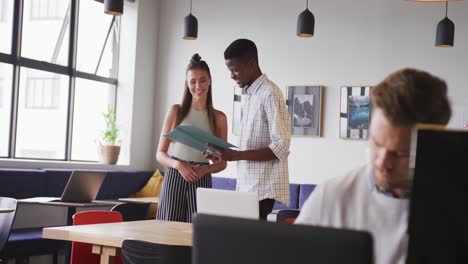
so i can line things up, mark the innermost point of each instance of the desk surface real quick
(48, 201)
(6, 210)
(154, 200)
(113, 234)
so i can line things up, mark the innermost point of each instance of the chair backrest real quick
(6, 219)
(141, 252)
(82, 252)
(133, 211)
(287, 216)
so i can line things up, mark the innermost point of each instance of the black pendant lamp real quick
(113, 7)
(305, 23)
(445, 31)
(190, 26)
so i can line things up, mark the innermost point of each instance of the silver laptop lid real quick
(83, 186)
(227, 203)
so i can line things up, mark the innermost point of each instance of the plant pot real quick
(108, 154)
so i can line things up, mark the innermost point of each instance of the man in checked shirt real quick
(262, 158)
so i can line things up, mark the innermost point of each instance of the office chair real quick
(287, 216)
(141, 252)
(133, 211)
(6, 221)
(81, 253)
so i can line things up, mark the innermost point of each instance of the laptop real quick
(82, 186)
(438, 219)
(227, 203)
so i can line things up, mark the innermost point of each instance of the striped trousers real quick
(178, 198)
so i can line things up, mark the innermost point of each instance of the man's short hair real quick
(411, 96)
(243, 49)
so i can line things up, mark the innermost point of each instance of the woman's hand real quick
(200, 170)
(187, 171)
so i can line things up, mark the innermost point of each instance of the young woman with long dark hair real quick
(186, 168)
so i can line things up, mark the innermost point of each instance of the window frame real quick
(18, 62)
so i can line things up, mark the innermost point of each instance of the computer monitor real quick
(226, 240)
(438, 219)
(227, 203)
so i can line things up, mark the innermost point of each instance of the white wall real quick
(355, 43)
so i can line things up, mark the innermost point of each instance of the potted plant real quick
(109, 145)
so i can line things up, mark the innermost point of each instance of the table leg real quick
(70, 212)
(107, 253)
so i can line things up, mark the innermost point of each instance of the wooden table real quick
(107, 238)
(153, 200)
(71, 210)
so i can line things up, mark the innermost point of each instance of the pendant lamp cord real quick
(446, 8)
(190, 6)
(307, 4)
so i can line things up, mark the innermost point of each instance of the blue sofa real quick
(28, 183)
(298, 192)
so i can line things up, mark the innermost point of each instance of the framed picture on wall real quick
(236, 111)
(355, 112)
(305, 109)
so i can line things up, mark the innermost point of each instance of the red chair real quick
(81, 253)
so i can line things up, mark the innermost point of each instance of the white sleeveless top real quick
(182, 152)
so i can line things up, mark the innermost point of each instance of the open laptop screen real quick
(83, 186)
(227, 203)
(438, 221)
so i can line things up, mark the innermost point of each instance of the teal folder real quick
(197, 138)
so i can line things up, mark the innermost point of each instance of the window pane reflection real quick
(91, 101)
(93, 27)
(42, 115)
(6, 72)
(46, 27)
(6, 22)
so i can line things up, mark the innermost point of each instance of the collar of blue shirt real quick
(374, 187)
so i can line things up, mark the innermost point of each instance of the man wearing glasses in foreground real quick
(375, 197)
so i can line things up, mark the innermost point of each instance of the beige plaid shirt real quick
(265, 123)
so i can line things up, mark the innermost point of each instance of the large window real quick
(50, 105)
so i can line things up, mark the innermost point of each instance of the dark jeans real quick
(265, 206)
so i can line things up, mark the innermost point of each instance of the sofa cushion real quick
(22, 183)
(304, 192)
(152, 188)
(224, 183)
(293, 198)
(29, 242)
(56, 181)
(120, 184)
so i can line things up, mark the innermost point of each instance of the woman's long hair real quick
(196, 63)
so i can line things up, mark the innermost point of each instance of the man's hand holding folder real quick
(201, 140)
(220, 154)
